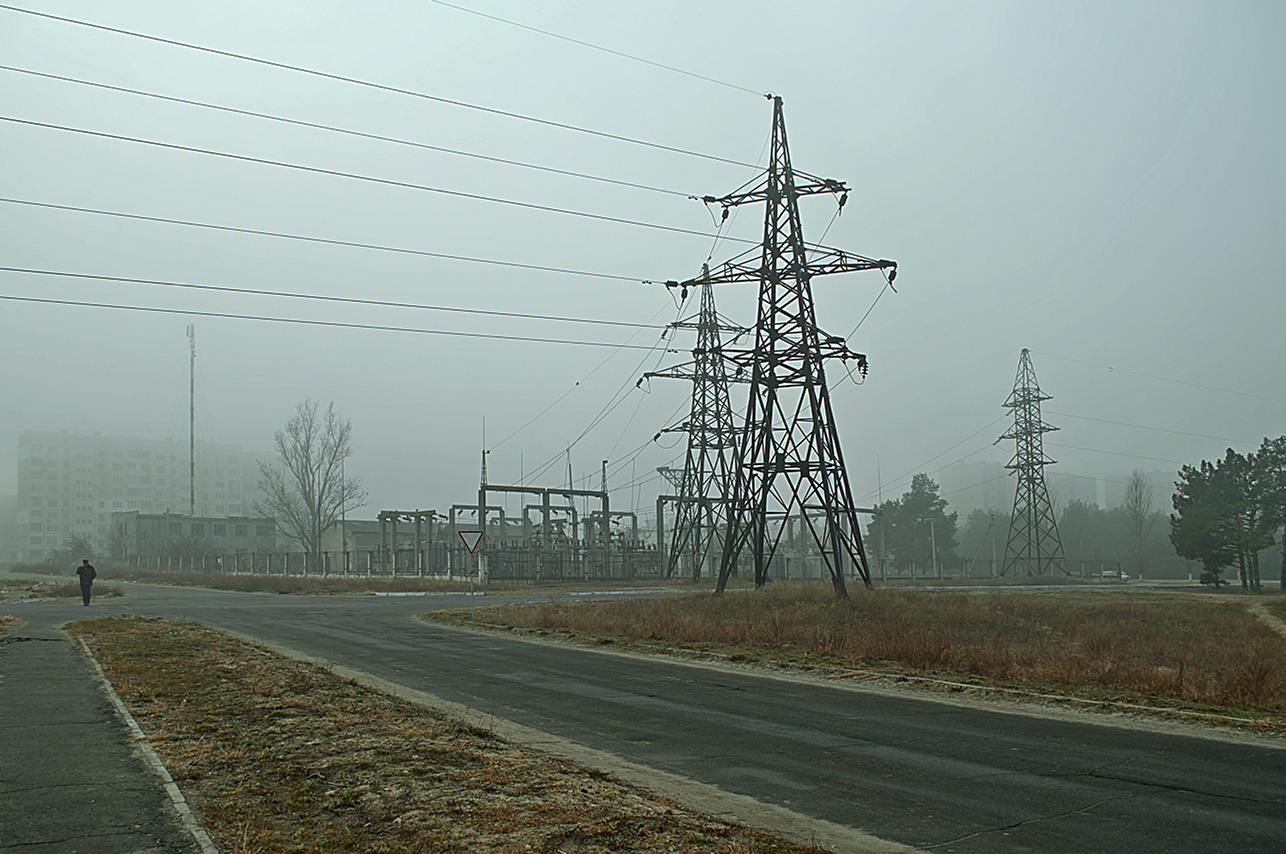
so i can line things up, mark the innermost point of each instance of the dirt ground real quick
(278, 755)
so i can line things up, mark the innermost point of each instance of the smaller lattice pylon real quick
(1033, 547)
(703, 484)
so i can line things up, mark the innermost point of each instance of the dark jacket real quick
(87, 573)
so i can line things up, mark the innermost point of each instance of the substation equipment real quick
(559, 543)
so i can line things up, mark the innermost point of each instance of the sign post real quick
(471, 540)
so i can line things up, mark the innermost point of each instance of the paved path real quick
(938, 776)
(70, 780)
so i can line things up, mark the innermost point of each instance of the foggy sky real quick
(1099, 182)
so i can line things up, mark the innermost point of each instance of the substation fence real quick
(889, 569)
(438, 561)
(895, 570)
(569, 563)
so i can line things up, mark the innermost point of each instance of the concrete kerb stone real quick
(180, 804)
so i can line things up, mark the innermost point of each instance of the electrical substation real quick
(764, 492)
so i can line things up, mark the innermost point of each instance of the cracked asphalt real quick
(938, 776)
(70, 779)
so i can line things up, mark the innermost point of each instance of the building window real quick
(240, 530)
(220, 530)
(198, 529)
(261, 530)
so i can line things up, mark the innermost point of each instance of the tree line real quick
(917, 527)
(1229, 511)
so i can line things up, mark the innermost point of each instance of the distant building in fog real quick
(153, 534)
(988, 486)
(8, 529)
(69, 484)
(975, 486)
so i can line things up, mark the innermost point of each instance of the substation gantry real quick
(788, 456)
(1033, 547)
(424, 520)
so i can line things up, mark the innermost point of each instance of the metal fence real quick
(569, 562)
(564, 563)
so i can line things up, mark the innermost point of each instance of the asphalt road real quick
(933, 775)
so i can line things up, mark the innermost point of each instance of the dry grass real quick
(315, 584)
(1276, 604)
(278, 755)
(13, 588)
(1196, 651)
(7, 623)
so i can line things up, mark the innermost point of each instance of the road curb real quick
(180, 804)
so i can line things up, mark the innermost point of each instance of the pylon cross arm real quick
(804, 185)
(822, 261)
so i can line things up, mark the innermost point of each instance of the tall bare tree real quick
(1139, 516)
(305, 487)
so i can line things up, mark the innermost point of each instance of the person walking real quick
(87, 575)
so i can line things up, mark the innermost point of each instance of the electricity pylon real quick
(1033, 546)
(706, 478)
(788, 452)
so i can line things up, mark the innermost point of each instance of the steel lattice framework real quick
(1034, 547)
(788, 454)
(706, 479)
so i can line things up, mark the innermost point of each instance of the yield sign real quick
(471, 539)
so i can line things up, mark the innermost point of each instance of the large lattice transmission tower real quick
(788, 455)
(706, 479)
(1034, 547)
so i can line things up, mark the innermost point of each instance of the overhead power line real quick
(1162, 487)
(370, 85)
(1116, 453)
(346, 131)
(324, 298)
(574, 386)
(921, 467)
(1165, 379)
(329, 323)
(357, 177)
(597, 47)
(1145, 427)
(324, 240)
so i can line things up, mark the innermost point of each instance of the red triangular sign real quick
(471, 539)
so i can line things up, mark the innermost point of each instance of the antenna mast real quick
(192, 422)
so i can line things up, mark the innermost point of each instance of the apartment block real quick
(70, 483)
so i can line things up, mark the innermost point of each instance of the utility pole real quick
(706, 480)
(192, 422)
(1034, 546)
(788, 454)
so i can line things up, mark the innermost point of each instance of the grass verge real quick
(1276, 605)
(278, 755)
(11, 589)
(1200, 653)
